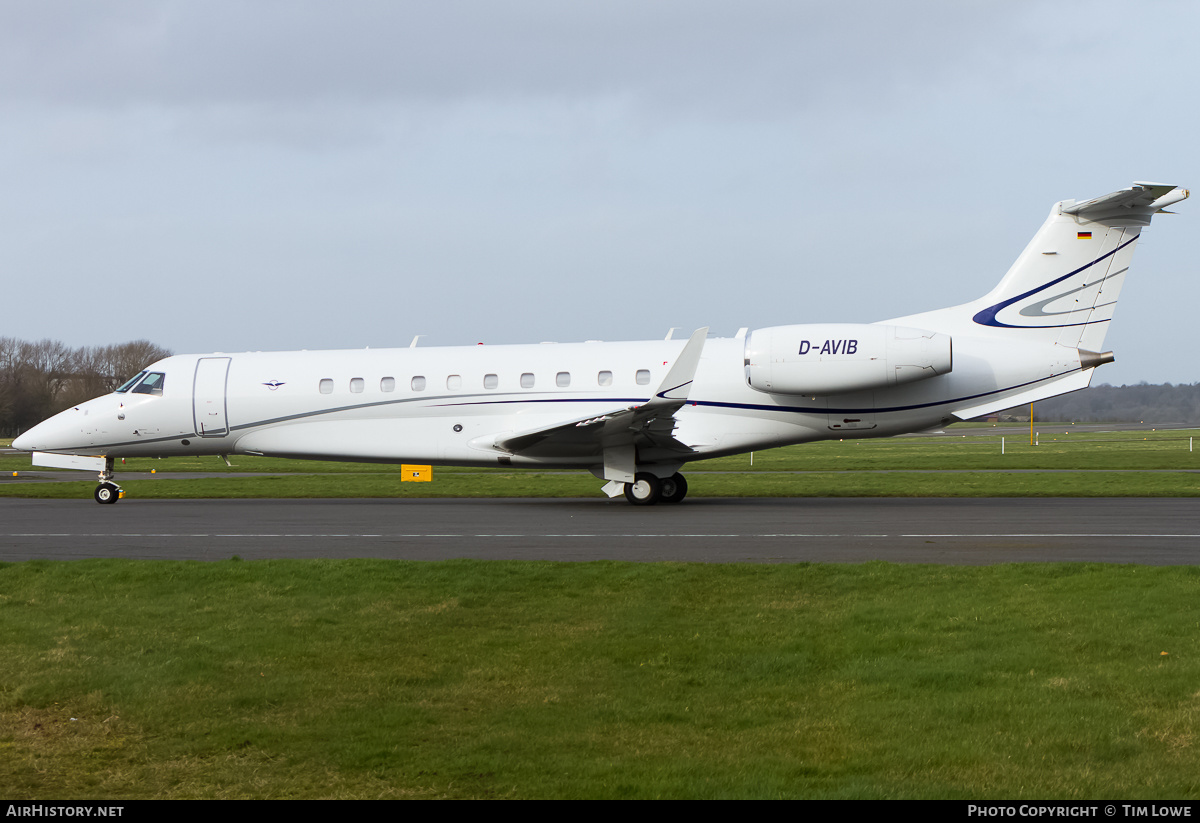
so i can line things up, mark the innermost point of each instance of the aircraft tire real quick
(645, 490)
(107, 493)
(674, 488)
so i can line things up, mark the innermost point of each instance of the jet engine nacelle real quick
(836, 358)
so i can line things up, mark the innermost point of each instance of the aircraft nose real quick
(34, 439)
(55, 433)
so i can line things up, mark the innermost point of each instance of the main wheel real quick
(107, 493)
(674, 488)
(645, 490)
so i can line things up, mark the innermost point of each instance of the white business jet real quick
(634, 413)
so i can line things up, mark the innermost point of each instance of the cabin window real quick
(387, 384)
(643, 377)
(527, 380)
(604, 378)
(357, 385)
(490, 381)
(418, 383)
(326, 386)
(128, 384)
(152, 383)
(562, 379)
(454, 382)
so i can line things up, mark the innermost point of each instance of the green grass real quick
(363, 678)
(1144, 463)
(355, 678)
(507, 484)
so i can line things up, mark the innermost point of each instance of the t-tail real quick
(1053, 307)
(1064, 286)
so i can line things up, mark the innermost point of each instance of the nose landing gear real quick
(108, 491)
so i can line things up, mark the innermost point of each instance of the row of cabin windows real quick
(454, 382)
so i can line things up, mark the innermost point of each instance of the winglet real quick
(678, 382)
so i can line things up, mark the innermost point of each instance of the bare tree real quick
(119, 363)
(42, 378)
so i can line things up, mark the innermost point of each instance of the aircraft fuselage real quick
(634, 413)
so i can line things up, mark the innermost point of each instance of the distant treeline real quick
(1165, 403)
(40, 379)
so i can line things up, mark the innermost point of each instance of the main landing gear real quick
(646, 489)
(108, 491)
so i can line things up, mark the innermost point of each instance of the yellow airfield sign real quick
(416, 474)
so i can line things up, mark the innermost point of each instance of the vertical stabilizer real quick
(1064, 286)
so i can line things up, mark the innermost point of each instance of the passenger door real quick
(208, 396)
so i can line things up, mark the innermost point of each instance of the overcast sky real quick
(282, 175)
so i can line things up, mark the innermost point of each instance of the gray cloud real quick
(303, 174)
(695, 55)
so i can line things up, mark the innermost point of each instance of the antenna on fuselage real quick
(671, 331)
(413, 344)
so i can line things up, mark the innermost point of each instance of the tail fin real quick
(1064, 286)
(1046, 320)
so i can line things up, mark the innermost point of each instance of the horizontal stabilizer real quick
(1141, 199)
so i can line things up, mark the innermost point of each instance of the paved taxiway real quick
(767, 530)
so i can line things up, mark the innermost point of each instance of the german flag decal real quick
(1084, 235)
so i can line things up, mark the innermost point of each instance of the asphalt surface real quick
(1153, 531)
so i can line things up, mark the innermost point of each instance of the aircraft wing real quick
(628, 426)
(613, 435)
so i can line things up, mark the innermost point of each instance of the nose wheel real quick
(108, 493)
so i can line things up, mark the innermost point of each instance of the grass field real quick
(502, 679)
(1144, 463)
(517, 679)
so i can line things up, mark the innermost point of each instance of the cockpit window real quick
(151, 384)
(130, 382)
